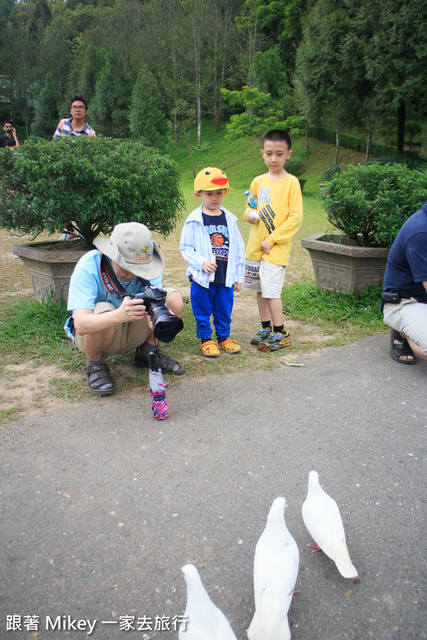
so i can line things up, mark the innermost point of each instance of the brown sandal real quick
(99, 380)
(167, 365)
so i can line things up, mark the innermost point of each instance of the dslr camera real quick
(166, 324)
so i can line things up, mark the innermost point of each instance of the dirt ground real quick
(25, 386)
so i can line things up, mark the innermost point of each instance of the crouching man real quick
(107, 319)
(404, 297)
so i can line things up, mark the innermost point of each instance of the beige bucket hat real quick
(132, 247)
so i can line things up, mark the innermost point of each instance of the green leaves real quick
(92, 183)
(369, 203)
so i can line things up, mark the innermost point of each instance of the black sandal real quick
(98, 375)
(399, 350)
(167, 365)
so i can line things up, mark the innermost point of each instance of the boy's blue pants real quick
(217, 301)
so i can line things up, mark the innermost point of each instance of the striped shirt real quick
(64, 129)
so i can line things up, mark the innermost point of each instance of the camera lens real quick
(166, 325)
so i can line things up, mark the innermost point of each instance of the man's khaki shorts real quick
(264, 277)
(127, 336)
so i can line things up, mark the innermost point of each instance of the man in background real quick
(9, 139)
(76, 125)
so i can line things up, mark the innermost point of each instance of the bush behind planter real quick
(92, 183)
(369, 203)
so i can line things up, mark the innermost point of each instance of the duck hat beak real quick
(210, 179)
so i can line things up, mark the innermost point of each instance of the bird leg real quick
(315, 547)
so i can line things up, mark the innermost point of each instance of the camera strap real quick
(111, 282)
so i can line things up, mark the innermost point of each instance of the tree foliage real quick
(339, 63)
(46, 118)
(370, 202)
(360, 60)
(94, 183)
(147, 118)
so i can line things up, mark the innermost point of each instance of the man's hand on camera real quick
(133, 309)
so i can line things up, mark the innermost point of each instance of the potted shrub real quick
(89, 184)
(368, 204)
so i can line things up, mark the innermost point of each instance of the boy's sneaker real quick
(275, 341)
(261, 335)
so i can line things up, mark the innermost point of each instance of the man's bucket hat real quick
(132, 247)
(211, 179)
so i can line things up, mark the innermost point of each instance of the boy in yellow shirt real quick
(276, 219)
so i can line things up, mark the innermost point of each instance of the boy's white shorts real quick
(265, 277)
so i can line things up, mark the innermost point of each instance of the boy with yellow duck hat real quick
(214, 250)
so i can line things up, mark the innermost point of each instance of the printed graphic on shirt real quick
(267, 215)
(217, 229)
(263, 195)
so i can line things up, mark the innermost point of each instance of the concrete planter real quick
(344, 267)
(49, 266)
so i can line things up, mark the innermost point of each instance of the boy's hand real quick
(209, 267)
(265, 247)
(251, 220)
(237, 286)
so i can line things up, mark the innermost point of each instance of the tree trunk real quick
(368, 144)
(401, 116)
(175, 127)
(337, 146)
(306, 136)
(198, 84)
(191, 160)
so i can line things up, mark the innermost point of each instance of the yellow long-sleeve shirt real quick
(280, 216)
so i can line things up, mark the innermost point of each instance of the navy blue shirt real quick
(5, 139)
(217, 228)
(407, 261)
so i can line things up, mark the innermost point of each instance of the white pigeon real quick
(204, 621)
(275, 574)
(323, 520)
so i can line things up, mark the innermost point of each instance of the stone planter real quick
(50, 265)
(344, 267)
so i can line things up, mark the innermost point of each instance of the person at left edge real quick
(76, 125)
(102, 324)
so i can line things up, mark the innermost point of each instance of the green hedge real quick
(369, 203)
(93, 183)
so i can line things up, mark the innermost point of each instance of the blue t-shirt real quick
(217, 228)
(87, 288)
(407, 261)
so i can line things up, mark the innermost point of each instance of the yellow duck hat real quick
(211, 178)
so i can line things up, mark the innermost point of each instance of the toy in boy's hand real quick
(252, 202)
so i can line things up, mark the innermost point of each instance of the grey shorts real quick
(410, 318)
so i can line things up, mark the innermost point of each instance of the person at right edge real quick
(280, 211)
(404, 296)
